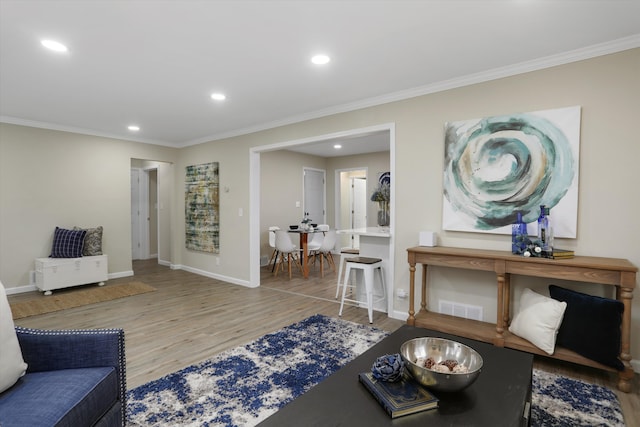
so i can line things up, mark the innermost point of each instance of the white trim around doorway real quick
(254, 196)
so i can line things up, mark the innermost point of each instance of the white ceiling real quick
(155, 63)
(366, 142)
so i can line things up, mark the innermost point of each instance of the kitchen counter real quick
(368, 231)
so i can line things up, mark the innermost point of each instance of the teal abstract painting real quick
(498, 166)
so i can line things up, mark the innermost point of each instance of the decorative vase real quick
(519, 235)
(383, 214)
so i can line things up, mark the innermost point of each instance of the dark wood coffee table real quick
(500, 396)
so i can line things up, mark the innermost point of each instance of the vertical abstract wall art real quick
(497, 166)
(202, 208)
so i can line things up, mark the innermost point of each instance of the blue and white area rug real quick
(561, 401)
(244, 385)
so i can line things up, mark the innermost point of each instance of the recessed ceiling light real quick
(134, 128)
(218, 96)
(54, 45)
(320, 59)
(337, 146)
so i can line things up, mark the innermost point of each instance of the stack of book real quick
(558, 253)
(399, 398)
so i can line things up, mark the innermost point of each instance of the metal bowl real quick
(441, 349)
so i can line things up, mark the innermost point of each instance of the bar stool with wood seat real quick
(344, 254)
(367, 265)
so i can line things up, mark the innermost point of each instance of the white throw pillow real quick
(538, 320)
(12, 366)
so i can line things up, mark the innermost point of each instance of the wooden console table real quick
(606, 271)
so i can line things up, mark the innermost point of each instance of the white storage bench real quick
(59, 273)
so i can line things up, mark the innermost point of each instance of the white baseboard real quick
(120, 274)
(32, 288)
(163, 262)
(21, 289)
(211, 275)
(400, 315)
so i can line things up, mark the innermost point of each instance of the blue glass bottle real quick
(519, 235)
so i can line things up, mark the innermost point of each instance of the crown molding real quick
(71, 129)
(602, 49)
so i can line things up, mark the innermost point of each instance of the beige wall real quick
(231, 263)
(36, 171)
(52, 178)
(607, 88)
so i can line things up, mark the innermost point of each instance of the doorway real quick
(255, 226)
(144, 218)
(151, 184)
(351, 200)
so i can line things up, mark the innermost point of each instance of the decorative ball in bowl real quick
(293, 227)
(441, 364)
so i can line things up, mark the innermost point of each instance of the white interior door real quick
(139, 214)
(135, 213)
(152, 206)
(358, 206)
(314, 195)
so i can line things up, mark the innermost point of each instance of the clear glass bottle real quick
(544, 229)
(549, 242)
(519, 235)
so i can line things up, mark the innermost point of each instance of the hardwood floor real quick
(189, 318)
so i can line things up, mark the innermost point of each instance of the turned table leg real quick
(507, 301)
(625, 295)
(423, 301)
(499, 339)
(412, 279)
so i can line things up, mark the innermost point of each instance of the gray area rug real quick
(244, 385)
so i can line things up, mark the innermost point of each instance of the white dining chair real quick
(325, 251)
(316, 239)
(288, 252)
(272, 243)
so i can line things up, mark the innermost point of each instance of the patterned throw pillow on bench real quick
(92, 241)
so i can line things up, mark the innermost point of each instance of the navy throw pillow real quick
(67, 243)
(591, 326)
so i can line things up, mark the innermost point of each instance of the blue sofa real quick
(74, 378)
